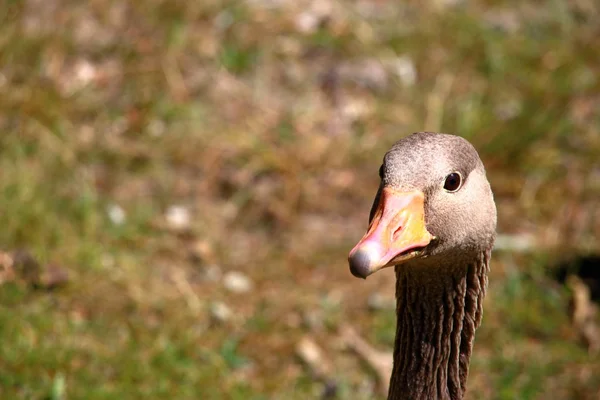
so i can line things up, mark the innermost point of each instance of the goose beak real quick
(397, 233)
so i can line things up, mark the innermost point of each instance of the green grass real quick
(271, 137)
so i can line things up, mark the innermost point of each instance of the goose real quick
(434, 220)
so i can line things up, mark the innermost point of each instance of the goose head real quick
(434, 203)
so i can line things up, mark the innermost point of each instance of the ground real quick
(184, 181)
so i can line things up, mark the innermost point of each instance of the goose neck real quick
(438, 309)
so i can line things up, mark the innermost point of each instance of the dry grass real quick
(267, 120)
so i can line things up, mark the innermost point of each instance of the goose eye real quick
(453, 181)
(381, 172)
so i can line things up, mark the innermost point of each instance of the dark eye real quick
(381, 172)
(453, 181)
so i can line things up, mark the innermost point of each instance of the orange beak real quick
(396, 234)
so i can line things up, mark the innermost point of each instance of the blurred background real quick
(181, 182)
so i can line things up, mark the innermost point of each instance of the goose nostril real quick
(396, 233)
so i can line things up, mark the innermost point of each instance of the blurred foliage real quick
(267, 120)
